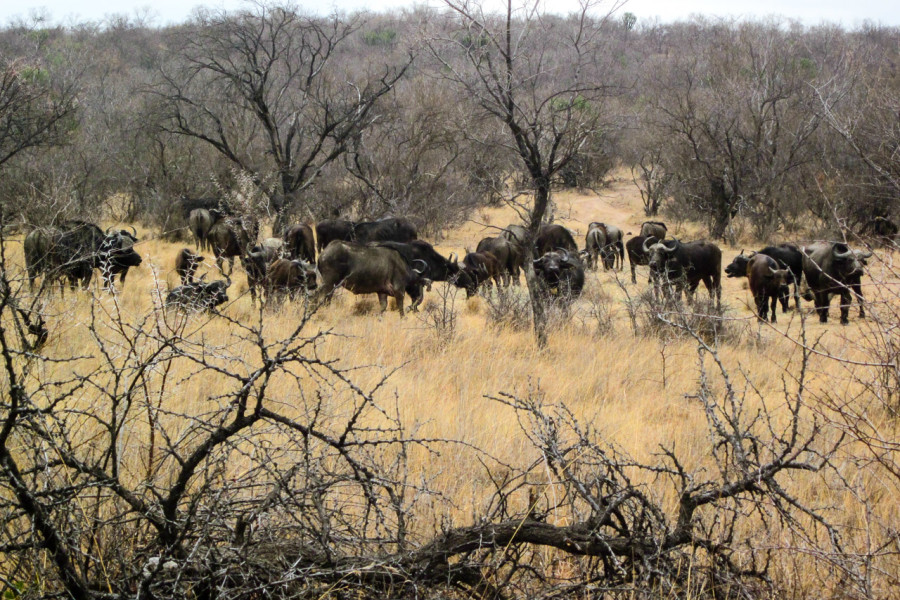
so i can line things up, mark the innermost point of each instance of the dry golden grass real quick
(633, 388)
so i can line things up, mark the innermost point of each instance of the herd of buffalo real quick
(385, 257)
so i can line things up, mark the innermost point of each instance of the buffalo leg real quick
(822, 301)
(775, 298)
(846, 300)
(399, 299)
(784, 296)
(633, 277)
(382, 300)
(856, 288)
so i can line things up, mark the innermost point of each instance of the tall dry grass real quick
(633, 386)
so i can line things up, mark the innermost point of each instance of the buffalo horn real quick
(841, 255)
(645, 247)
(418, 271)
(133, 230)
(452, 258)
(863, 254)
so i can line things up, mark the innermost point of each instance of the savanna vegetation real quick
(499, 446)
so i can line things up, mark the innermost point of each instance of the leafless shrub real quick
(596, 311)
(508, 307)
(441, 316)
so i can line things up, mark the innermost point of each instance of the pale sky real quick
(810, 12)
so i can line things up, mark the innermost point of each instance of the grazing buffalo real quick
(211, 204)
(367, 270)
(117, 255)
(594, 243)
(562, 274)
(509, 254)
(37, 253)
(199, 295)
(481, 268)
(289, 278)
(256, 264)
(637, 256)
(767, 282)
(655, 229)
(186, 263)
(391, 229)
(607, 242)
(551, 238)
(330, 230)
(200, 221)
(434, 267)
(834, 268)
(684, 266)
(229, 238)
(75, 252)
(300, 243)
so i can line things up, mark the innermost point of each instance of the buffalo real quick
(562, 274)
(367, 270)
(209, 203)
(300, 243)
(606, 241)
(767, 282)
(199, 295)
(289, 278)
(256, 264)
(637, 256)
(117, 255)
(330, 230)
(510, 256)
(685, 265)
(834, 268)
(786, 255)
(200, 221)
(229, 238)
(551, 238)
(594, 243)
(186, 263)
(655, 229)
(391, 229)
(433, 266)
(481, 268)
(37, 253)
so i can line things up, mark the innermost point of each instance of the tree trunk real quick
(535, 288)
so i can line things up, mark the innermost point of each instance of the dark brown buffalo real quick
(186, 263)
(229, 238)
(300, 243)
(335, 229)
(767, 282)
(508, 254)
(655, 229)
(554, 237)
(366, 270)
(607, 243)
(637, 256)
(562, 274)
(256, 265)
(835, 268)
(289, 278)
(681, 267)
(481, 268)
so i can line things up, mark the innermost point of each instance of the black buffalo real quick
(684, 266)
(562, 274)
(199, 295)
(363, 269)
(834, 268)
(637, 256)
(117, 255)
(329, 230)
(551, 238)
(300, 243)
(256, 265)
(655, 229)
(767, 282)
(481, 268)
(186, 263)
(421, 255)
(391, 229)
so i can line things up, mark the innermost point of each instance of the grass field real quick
(634, 388)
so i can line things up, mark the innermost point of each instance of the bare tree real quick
(542, 88)
(265, 90)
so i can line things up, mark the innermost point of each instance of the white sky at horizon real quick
(164, 12)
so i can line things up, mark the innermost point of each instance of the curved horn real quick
(863, 254)
(422, 270)
(772, 271)
(645, 247)
(453, 257)
(671, 248)
(133, 230)
(108, 229)
(839, 255)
